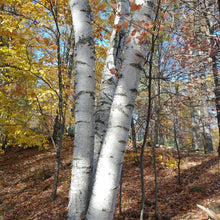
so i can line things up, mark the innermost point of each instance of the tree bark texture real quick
(206, 131)
(84, 109)
(134, 142)
(103, 198)
(60, 114)
(194, 130)
(109, 80)
(213, 54)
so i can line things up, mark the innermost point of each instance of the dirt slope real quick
(27, 178)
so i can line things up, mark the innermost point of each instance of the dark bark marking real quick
(147, 15)
(130, 105)
(87, 122)
(140, 55)
(84, 92)
(115, 188)
(126, 129)
(100, 122)
(150, 4)
(81, 62)
(133, 90)
(109, 81)
(73, 4)
(121, 94)
(84, 40)
(136, 65)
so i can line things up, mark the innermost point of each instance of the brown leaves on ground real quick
(27, 178)
(26, 184)
(200, 177)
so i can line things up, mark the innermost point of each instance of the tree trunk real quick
(134, 142)
(213, 53)
(157, 109)
(216, 75)
(103, 198)
(176, 124)
(208, 146)
(55, 128)
(109, 80)
(195, 135)
(60, 120)
(205, 125)
(84, 109)
(176, 133)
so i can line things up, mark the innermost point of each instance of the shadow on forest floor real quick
(27, 177)
(200, 184)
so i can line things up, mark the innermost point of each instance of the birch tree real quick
(109, 76)
(110, 161)
(84, 109)
(106, 181)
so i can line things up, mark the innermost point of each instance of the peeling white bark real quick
(109, 81)
(84, 109)
(102, 202)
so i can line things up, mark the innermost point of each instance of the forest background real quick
(178, 97)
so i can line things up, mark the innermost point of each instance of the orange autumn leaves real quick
(143, 28)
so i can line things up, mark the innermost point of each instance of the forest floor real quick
(27, 178)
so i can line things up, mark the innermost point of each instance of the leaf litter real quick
(27, 179)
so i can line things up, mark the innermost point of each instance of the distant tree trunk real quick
(176, 134)
(156, 139)
(177, 147)
(112, 153)
(155, 181)
(219, 6)
(146, 133)
(208, 145)
(53, 142)
(157, 132)
(84, 110)
(69, 58)
(195, 135)
(157, 123)
(69, 62)
(58, 157)
(4, 142)
(133, 136)
(216, 74)
(213, 53)
(55, 128)
(205, 126)
(61, 122)
(166, 136)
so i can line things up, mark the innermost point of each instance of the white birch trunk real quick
(103, 198)
(84, 109)
(109, 81)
